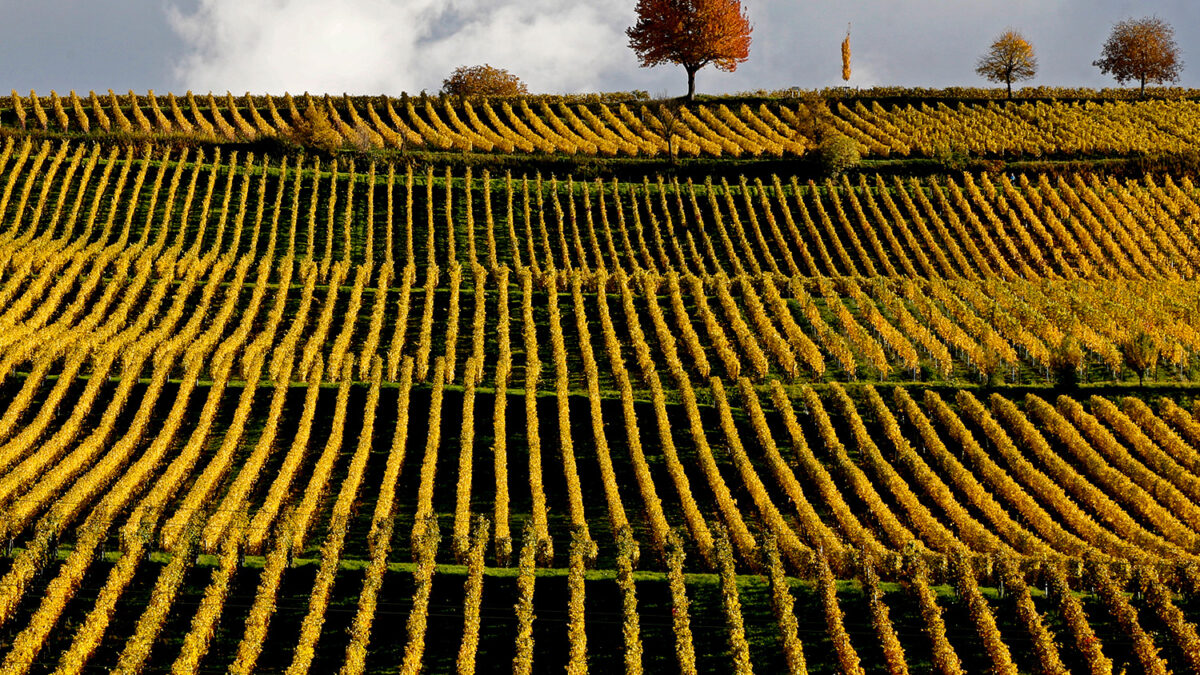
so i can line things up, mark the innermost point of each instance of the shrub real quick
(838, 154)
(483, 81)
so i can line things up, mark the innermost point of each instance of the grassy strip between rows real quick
(692, 578)
(1100, 388)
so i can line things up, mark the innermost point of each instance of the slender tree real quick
(691, 33)
(1010, 58)
(846, 56)
(1141, 50)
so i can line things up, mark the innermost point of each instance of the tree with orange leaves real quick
(483, 80)
(1010, 58)
(1141, 50)
(846, 56)
(691, 33)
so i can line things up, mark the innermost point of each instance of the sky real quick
(554, 46)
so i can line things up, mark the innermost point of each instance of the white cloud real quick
(387, 46)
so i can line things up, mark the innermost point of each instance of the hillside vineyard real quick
(286, 414)
(602, 127)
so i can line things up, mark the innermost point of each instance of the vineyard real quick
(351, 413)
(630, 128)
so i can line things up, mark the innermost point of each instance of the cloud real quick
(387, 46)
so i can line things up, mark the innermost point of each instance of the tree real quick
(846, 56)
(668, 124)
(483, 81)
(1140, 349)
(1141, 50)
(837, 154)
(1009, 58)
(691, 33)
(815, 115)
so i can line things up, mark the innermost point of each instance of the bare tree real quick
(668, 124)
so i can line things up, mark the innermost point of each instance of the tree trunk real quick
(691, 73)
(1009, 83)
(1143, 94)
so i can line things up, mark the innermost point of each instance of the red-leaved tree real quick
(1141, 50)
(691, 33)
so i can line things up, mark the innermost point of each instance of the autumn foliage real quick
(1141, 50)
(1010, 58)
(691, 33)
(315, 130)
(483, 80)
(846, 57)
